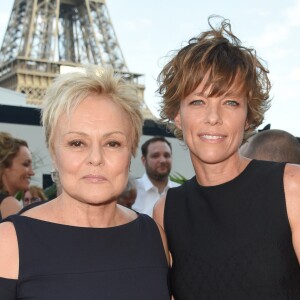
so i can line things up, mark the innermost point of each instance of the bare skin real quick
(292, 195)
(9, 206)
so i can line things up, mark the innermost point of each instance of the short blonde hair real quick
(70, 89)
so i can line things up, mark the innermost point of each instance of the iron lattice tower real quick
(43, 36)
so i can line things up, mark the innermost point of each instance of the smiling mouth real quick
(212, 137)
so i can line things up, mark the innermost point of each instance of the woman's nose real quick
(31, 172)
(96, 156)
(214, 115)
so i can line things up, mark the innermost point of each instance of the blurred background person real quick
(15, 172)
(157, 160)
(274, 145)
(54, 189)
(82, 244)
(128, 196)
(33, 194)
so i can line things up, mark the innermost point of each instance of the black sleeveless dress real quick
(60, 262)
(232, 241)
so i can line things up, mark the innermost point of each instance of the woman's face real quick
(213, 127)
(30, 198)
(92, 151)
(17, 176)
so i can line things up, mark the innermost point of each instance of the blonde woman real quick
(82, 244)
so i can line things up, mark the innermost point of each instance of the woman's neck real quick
(219, 173)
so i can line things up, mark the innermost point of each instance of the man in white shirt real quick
(157, 159)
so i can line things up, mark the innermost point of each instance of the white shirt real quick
(148, 194)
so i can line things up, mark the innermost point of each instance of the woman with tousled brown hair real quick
(233, 230)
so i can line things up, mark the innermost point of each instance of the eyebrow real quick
(105, 135)
(229, 94)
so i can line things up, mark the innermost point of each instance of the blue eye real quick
(197, 102)
(232, 103)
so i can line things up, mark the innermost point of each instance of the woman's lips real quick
(94, 178)
(216, 137)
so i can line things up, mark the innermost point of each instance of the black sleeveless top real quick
(65, 262)
(232, 241)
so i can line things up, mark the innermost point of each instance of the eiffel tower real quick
(45, 36)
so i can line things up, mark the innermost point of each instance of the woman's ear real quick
(53, 158)
(177, 121)
(247, 126)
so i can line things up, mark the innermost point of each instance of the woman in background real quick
(15, 172)
(82, 244)
(34, 194)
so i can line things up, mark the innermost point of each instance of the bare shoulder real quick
(292, 171)
(10, 206)
(292, 196)
(9, 258)
(158, 211)
(291, 182)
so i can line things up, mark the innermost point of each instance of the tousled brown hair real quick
(220, 54)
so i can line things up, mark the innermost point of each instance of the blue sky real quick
(148, 30)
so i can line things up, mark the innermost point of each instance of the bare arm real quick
(9, 257)
(158, 216)
(158, 211)
(164, 240)
(292, 194)
(10, 206)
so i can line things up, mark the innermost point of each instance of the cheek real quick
(153, 162)
(67, 162)
(17, 173)
(189, 120)
(187, 128)
(120, 164)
